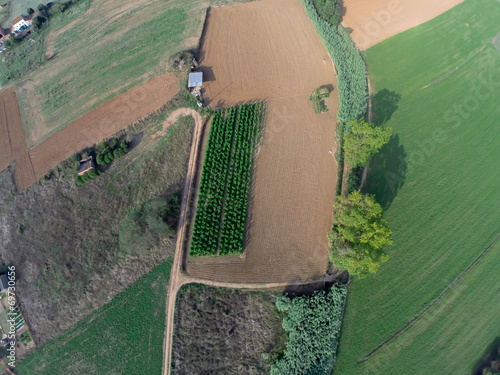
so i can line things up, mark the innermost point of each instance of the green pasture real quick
(124, 336)
(437, 86)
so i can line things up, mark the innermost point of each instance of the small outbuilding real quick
(85, 166)
(195, 80)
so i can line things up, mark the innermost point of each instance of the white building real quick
(19, 24)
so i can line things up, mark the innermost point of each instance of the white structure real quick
(19, 24)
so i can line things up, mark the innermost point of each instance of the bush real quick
(107, 158)
(124, 145)
(113, 142)
(30, 11)
(313, 324)
(118, 153)
(352, 82)
(92, 173)
(79, 180)
(100, 160)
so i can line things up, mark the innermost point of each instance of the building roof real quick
(4, 282)
(85, 165)
(17, 19)
(195, 79)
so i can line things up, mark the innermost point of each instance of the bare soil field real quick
(376, 20)
(270, 50)
(12, 139)
(98, 124)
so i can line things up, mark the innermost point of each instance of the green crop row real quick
(221, 211)
(213, 184)
(235, 213)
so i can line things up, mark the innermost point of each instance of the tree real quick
(99, 159)
(362, 140)
(38, 21)
(124, 145)
(359, 234)
(42, 7)
(30, 11)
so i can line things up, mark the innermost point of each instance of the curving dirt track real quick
(270, 50)
(376, 20)
(98, 124)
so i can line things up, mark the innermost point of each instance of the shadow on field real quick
(489, 355)
(384, 104)
(387, 172)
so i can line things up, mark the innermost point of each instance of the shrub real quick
(113, 142)
(118, 153)
(313, 324)
(99, 159)
(92, 173)
(352, 82)
(107, 158)
(79, 180)
(124, 145)
(30, 11)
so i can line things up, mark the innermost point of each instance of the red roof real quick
(17, 19)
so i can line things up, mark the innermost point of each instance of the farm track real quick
(91, 128)
(428, 308)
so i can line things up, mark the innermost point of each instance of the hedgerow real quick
(352, 83)
(313, 324)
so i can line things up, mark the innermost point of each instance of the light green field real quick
(97, 53)
(123, 337)
(438, 179)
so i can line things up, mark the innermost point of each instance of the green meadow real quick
(437, 86)
(124, 336)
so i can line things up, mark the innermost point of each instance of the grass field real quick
(123, 337)
(438, 180)
(96, 53)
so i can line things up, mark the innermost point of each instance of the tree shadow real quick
(384, 104)
(491, 352)
(387, 172)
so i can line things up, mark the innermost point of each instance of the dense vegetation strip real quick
(221, 212)
(123, 337)
(213, 183)
(313, 324)
(352, 83)
(236, 204)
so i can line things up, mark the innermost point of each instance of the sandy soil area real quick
(376, 20)
(270, 50)
(12, 140)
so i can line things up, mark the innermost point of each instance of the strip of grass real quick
(437, 179)
(123, 337)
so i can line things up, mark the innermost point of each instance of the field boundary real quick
(428, 308)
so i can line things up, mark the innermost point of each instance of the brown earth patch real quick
(270, 50)
(98, 124)
(376, 20)
(103, 122)
(12, 139)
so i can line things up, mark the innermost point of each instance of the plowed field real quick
(376, 20)
(104, 121)
(98, 124)
(270, 50)
(12, 140)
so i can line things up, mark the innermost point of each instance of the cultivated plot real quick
(270, 50)
(438, 180)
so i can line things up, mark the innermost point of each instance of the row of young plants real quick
(219, 225)
(236, 204)
(213, 184)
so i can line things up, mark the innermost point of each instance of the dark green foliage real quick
(92, 173)
(99, 159)
(79, 180)
(118, 153)
(354, 180)
(352, 82)
(42, 7)
(38, 21)
(132, 324)
(30, 11)
(124, 145)
(113, 142)
(226, 173)
(313, 324)
(145, 228)
(329, 10)
(317, 101)
(107, 158)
